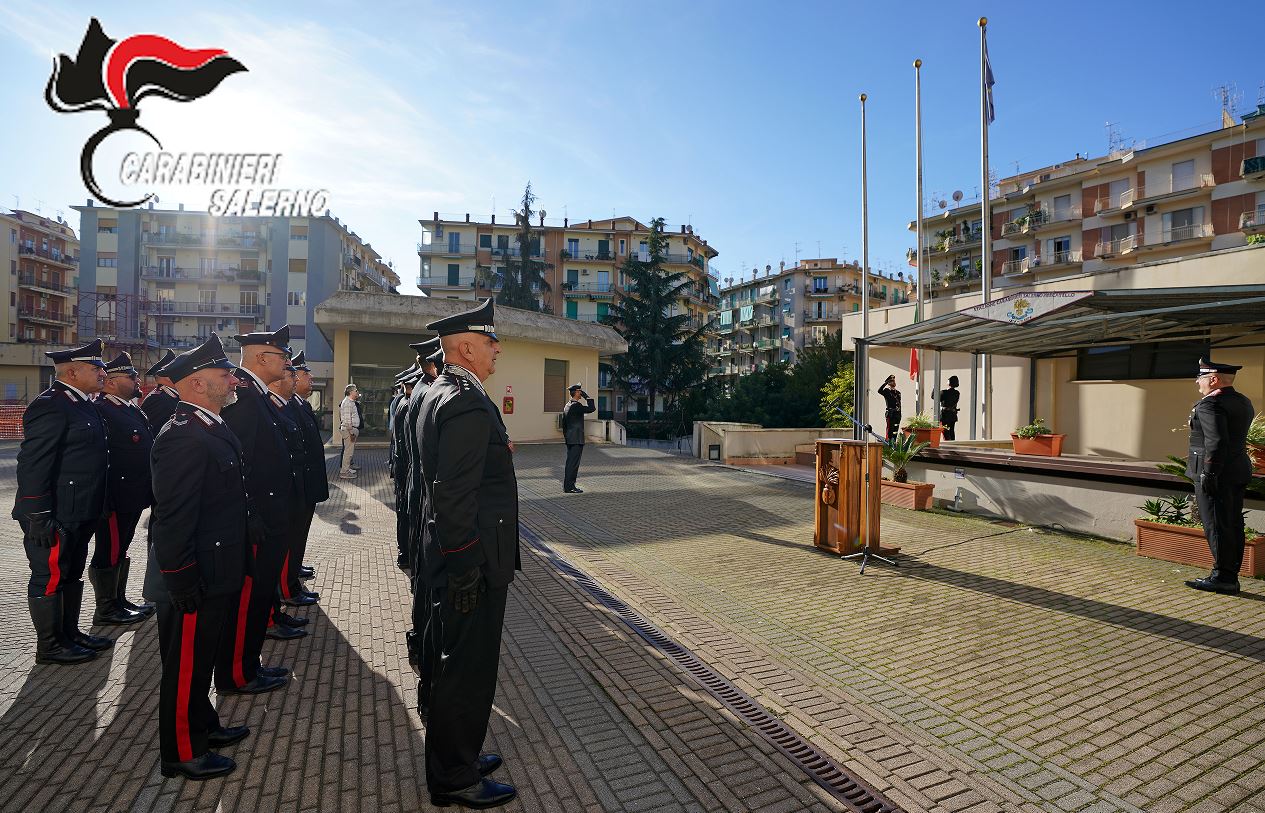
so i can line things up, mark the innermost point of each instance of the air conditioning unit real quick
(1130, 215)
(1150, 208)
(584, 272)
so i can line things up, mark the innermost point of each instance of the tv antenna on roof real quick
(957, 196)
(1230, 98)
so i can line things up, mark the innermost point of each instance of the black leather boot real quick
(207, 766)
(145, 608)
(105, 584)
(72, 600)
(51, 645)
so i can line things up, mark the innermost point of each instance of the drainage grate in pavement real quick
(855, 794)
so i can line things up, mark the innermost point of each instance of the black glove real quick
(464, 589)
(256, 531)
(43, 530)
(188, 600)
(1208, 483)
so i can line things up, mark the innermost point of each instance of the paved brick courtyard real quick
(999, 669)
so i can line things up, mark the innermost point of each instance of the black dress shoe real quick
(401, 561)
(227, 736)
(488, 763)
(259, 685)
(575, 491)
(301, 600)
(482, 794)
(1210, 585)
(207, 766)
(273, 671)
(288, 620)
(280, 632)
(307, 572)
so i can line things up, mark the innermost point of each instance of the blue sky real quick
(740, 118)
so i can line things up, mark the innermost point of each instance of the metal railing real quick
(169, 238)
(587, 288)
(45, 315)
(1253, 167)
(432, 249)
(1192, 232)
(1252, 220)
(29, 281)
(1160, 189)
(1109, 203)
(167, 307)
(48, 254)
(1113, 248)
(226, 274)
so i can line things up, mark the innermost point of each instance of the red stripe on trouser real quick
(54, 566)
(184, 748)
(239, 642)
(114, 538)
(285, 578)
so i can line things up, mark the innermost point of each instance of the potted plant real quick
(898, 491)
(924, 429)
(1037, 439)
(1169, 530)
(1256, 444)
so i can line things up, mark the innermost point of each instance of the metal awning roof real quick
(1040, 324)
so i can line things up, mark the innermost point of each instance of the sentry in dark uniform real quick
(573, 431)
(316, 479)
(197, 559)
(128, 495)
(1220, 467)
(292, 591)
(397, 460)
(61, 476)
(160, 404)
(420, 656)
(470, 514)
(891, 397)
(270, 486)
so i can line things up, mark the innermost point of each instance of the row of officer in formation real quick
(456, 500)
(229, 460)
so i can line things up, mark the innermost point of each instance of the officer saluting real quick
(61, 494)
(128, 495)
(1220, 467)
(198, 558)
(160, 404)
(470, 513)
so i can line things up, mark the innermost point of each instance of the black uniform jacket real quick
(159, 406)
(469, 492)
(130, 490)
(199, 520)
(269, 475)
(315, 480)
(400, 446)
(63, 459)
(1218, 437)
(294, 444)
(412, 439)
(573, 421)
(392, 411)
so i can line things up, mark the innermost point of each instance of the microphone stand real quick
(865, 554)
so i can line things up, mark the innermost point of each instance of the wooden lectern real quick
(840, 516)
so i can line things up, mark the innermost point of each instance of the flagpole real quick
(918, 230)
(862, 375)
(986, 241)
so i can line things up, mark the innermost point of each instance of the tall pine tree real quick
(666, 354)
(524, 281)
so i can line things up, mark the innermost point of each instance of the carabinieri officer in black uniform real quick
(160, 404)
(397, 460)
(1220, 468)
(130, 492)
(420, 657)
(61, 476)
(315, 477)
(470, 514)
(198, 558)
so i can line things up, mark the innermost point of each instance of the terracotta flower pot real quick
(931, 436)
(1189, 546)
(1043, 445)
(914, 496)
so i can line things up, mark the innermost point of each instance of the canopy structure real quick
(1051, 323)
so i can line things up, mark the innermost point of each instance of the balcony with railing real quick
(1253, 169)
(695, 260)
(448, 283)
(511, 252)
(48, 316)
(577, 290)
(50, 254)
(819, 290)
(29, 280)
(1111, 204)
(822, 316)
(186, 342)
(202, 239)
(443, 249)
(590, 255)
(1174, 188)
(169, 273)
(1184, 234)
(1252, 222)
(235, 310)
(767, 344)
(1109, 249)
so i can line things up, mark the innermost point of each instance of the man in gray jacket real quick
(573, 431)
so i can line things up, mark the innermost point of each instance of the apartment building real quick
(1089, 215)
(159, 278)
(771, 318)
(463, 258)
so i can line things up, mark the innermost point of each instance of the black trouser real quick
(1222, 517)
(422, 640)
(893, 423)
(462, 688)
(574, 450)
(188, 643)
(63, 563)
(300, 526)
(247, 617)
(401, 522)
(114, 536)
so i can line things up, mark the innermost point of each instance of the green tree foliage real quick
(524, 280)
(666, 354)
(779, 395)
(839, 392)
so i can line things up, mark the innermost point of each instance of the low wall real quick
(605, 430)
(748, 444)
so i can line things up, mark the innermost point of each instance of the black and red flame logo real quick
(114, 75)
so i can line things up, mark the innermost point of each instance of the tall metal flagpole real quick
(918, 306)
(986, 280)
(862, 377)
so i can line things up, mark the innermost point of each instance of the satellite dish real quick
(957, 196)
(943, 204)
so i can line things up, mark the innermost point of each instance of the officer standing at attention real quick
(398, 460)
(573, 431)
(949, 408)
(420, 656)
(160, 404)
(61, 475)
(128, 494)
(292, 591)
(1220, 468)
(470, 512)
(197, 559)
(315, 479)
(270, 484)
